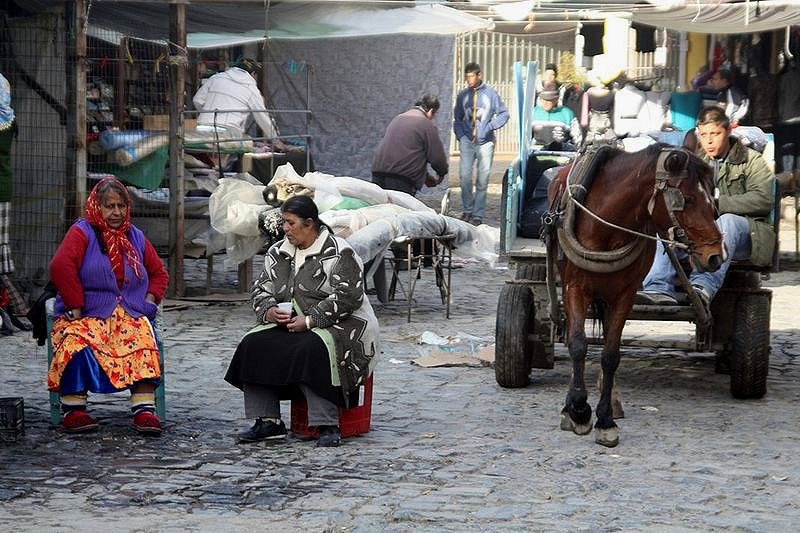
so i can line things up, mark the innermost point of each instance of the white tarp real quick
(721, 17)
(223, 25)
(237, 204)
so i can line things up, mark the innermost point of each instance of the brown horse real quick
(606, 224)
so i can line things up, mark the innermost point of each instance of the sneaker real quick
(654, 298)
(78, 422)
(476, 221)
(146, 422)
(329, 437)
(263, 430)
(466, 217)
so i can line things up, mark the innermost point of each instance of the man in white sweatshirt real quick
(234, 89)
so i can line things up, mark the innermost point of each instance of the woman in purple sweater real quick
(109, 280)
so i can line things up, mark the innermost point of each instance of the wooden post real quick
(178, 61)
(75, 184)
(121, 84)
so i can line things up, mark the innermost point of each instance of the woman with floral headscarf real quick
(109, 280)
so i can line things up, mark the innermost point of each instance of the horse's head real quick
(683, 208)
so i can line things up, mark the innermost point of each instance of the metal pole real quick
(177, 70)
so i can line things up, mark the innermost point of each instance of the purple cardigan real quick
(100, 291)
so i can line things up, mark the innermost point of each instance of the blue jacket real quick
(491, 113)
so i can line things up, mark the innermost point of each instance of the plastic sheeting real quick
(231, 23)
(721, 18)
(237, 207)
(343, 186)
(469, 241)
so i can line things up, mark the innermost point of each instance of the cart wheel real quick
(515, 312)
(749, 357)
(531, 271)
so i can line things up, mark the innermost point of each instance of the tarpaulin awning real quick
(220, 25)
(722, 17)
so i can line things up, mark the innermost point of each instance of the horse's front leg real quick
(577, 413)
(606, 431)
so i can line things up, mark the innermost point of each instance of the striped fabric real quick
(142, 401)
(6, 264)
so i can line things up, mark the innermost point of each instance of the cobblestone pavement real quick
(449, 450)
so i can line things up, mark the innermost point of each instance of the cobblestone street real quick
(449, 449)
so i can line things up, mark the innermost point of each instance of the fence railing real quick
(496, 53)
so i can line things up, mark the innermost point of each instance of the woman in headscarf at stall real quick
(324, 344)
(110, 281)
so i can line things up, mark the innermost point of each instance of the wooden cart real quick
(737, 329)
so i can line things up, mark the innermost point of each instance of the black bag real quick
(37, 315)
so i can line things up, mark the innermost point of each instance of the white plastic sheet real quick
(235, 205)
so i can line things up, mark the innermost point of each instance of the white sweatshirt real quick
(233, 89)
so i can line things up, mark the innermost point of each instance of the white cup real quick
(285, 307)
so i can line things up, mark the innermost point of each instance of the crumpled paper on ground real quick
(461, 349)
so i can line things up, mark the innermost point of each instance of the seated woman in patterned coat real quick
(325, 346)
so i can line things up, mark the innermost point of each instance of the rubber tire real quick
(749, 358)
(531, 272)
(515, 313)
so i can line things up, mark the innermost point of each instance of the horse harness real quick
(561, 217)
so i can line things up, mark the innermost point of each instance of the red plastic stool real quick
(353, 421)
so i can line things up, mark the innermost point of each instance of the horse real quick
(601, 232)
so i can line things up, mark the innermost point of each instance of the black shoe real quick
(20, 323)
(654, 298)
(262, 430)
(5, 323)
(329, 437)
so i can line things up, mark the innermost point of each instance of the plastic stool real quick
(352, 421)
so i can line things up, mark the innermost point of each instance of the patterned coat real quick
(328, 287)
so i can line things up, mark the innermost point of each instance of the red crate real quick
(353, 421)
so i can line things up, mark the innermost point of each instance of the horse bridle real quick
(667, 185)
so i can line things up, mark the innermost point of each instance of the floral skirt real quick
(124, 347)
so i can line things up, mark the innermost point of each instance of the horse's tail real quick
(599, 308)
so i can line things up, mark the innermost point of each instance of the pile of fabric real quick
(247, 213)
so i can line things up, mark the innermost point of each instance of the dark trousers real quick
(394, 182)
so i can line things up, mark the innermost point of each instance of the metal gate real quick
(496, 53)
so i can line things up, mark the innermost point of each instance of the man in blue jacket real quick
(478, 112)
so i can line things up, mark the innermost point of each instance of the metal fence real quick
(33, 55)
(496, 53)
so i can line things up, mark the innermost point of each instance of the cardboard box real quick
(161, 123)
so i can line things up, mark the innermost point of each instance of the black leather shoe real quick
(5, 323)
(20, 323)
(263, 430)
(329, 437)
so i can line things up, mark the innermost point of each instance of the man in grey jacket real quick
(410, 143)
(744, 188)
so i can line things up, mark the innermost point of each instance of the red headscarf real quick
(116, 240)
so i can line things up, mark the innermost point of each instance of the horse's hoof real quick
(567, 424)
(607, 437)
(617, 411)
